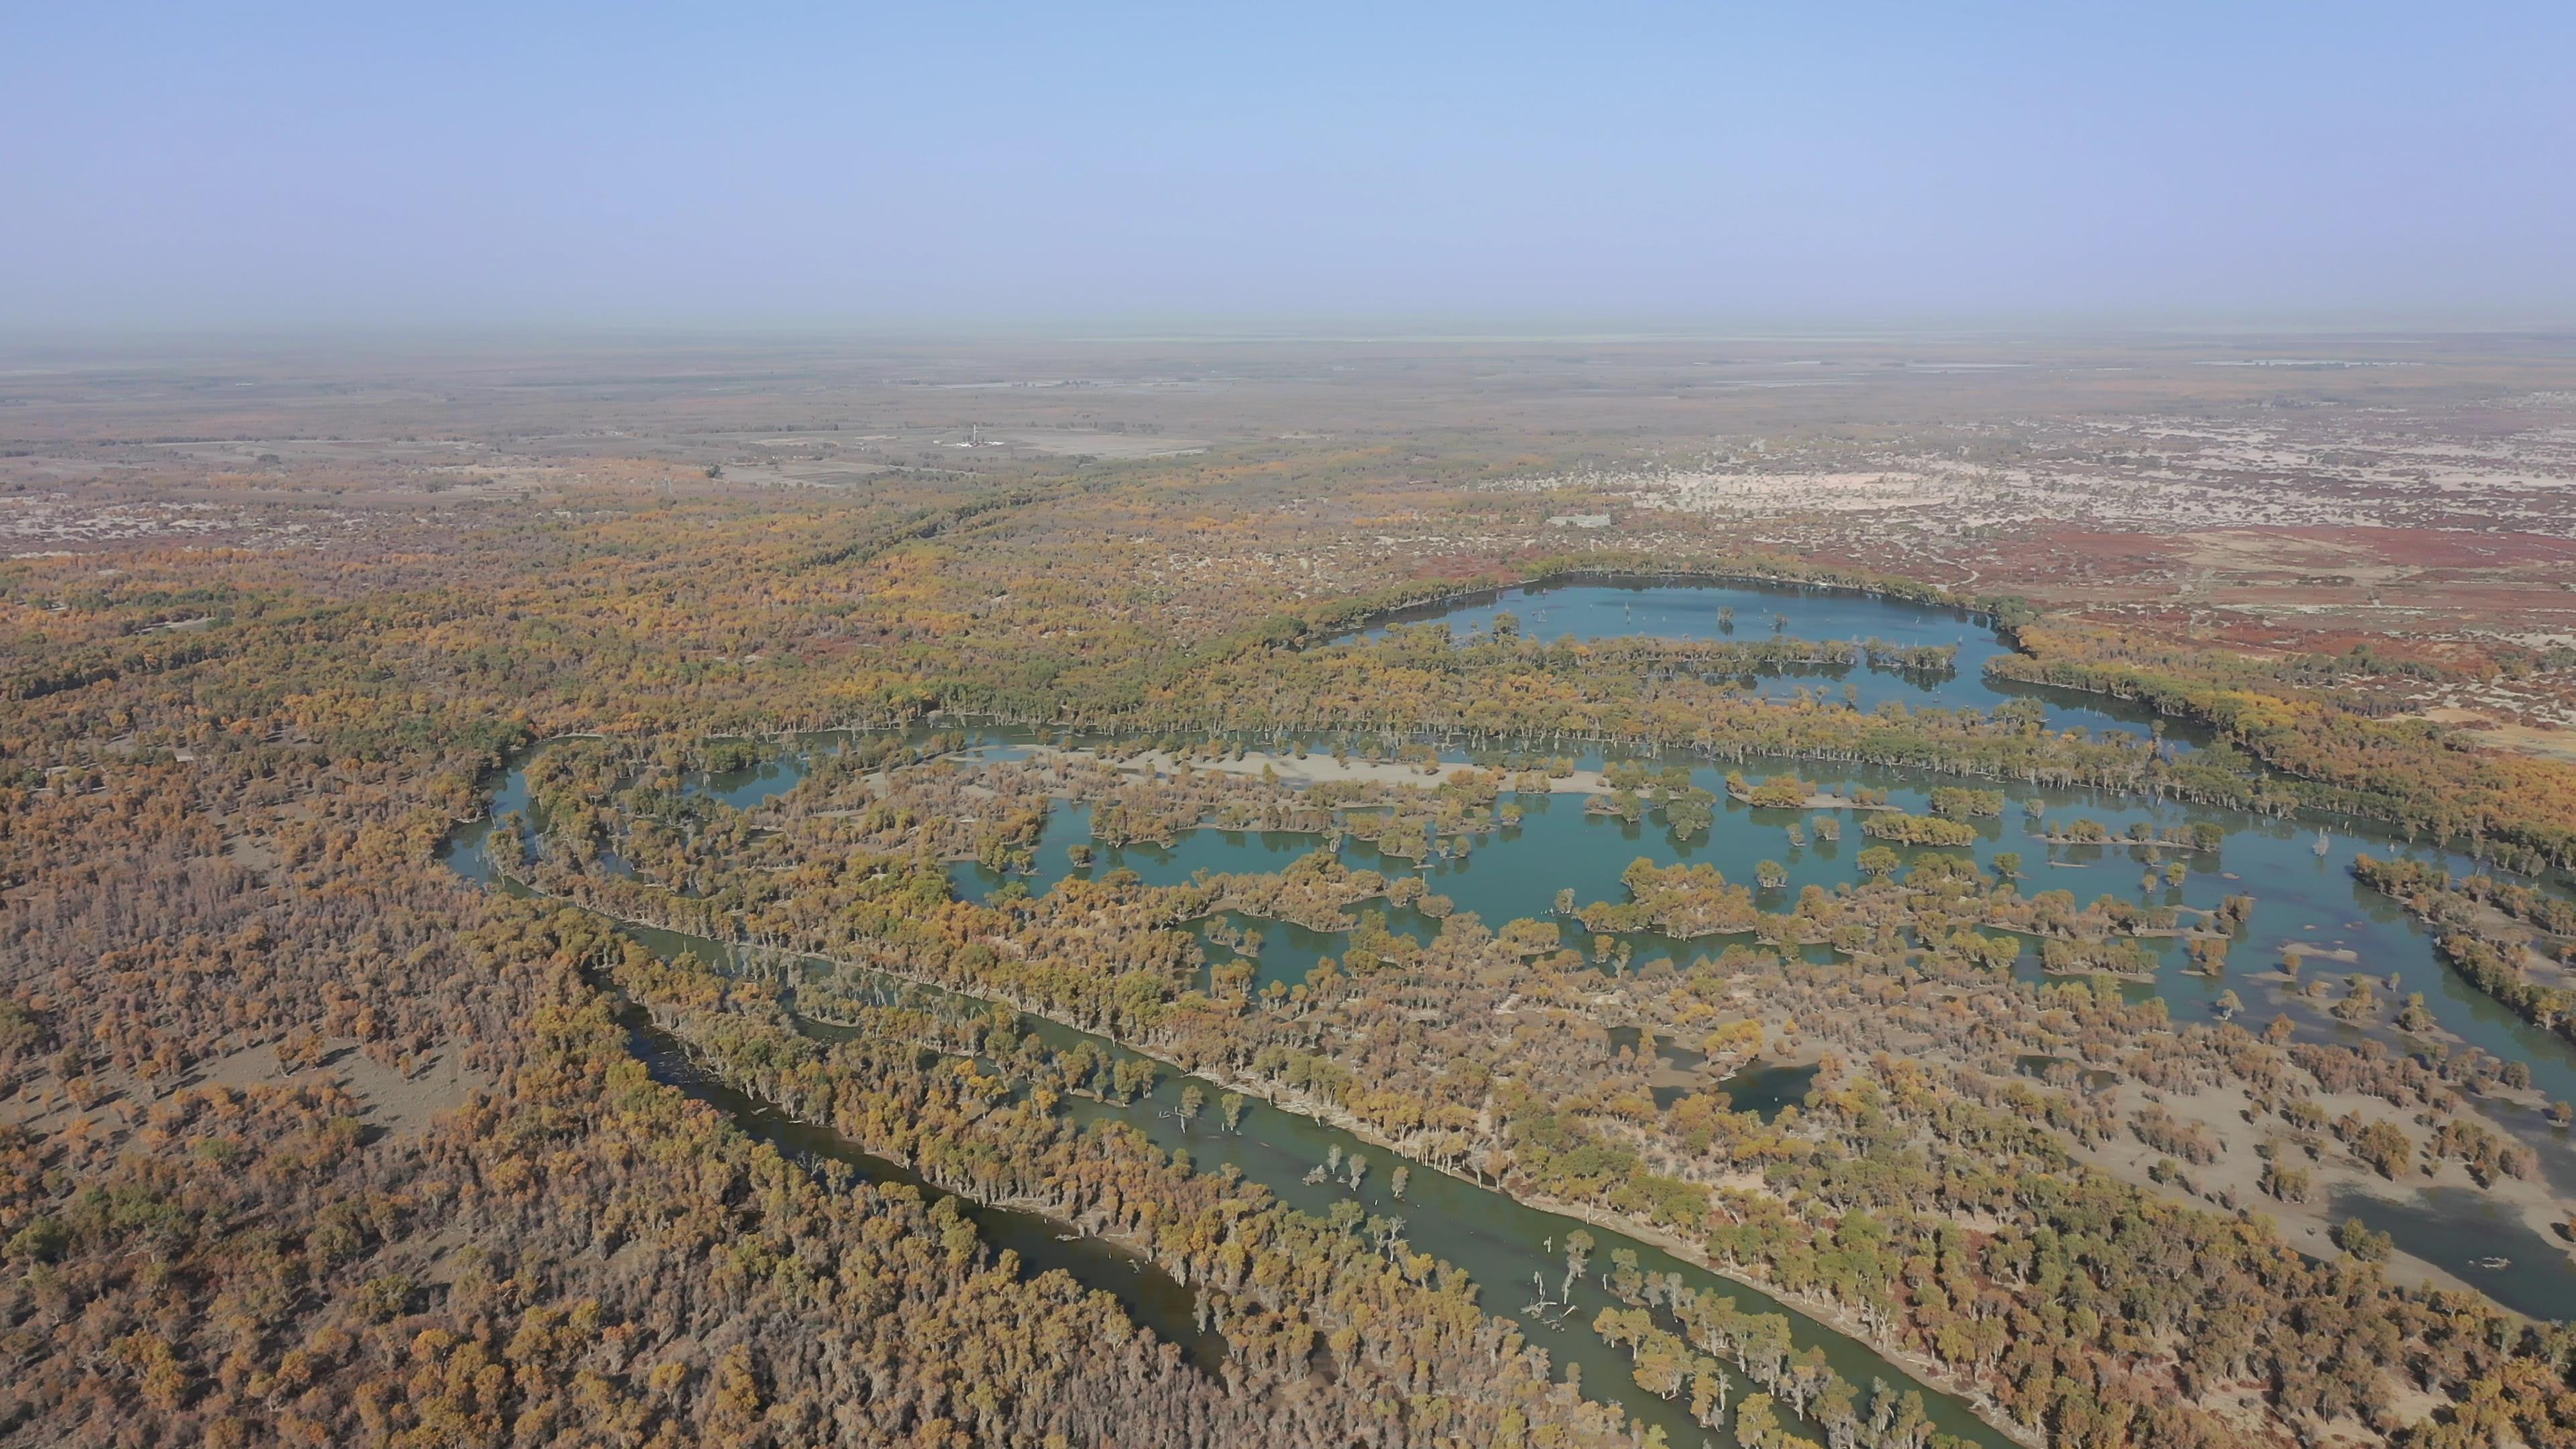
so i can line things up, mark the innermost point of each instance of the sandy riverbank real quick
(1310, 770)
(1315, 769)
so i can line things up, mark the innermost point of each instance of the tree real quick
(1709, 1389)
(2355, 1237)
(1756, 1426)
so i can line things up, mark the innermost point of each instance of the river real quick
(1497, 1241)
(2303, 897)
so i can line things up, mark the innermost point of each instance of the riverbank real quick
(1302, 771)
(2233, 1179)
(1822, 1310)
(1289, 1102)
(1289, 1106)
(1100, 1262)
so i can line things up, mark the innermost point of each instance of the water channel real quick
(1496, 1241)
(1155, 1298)
(2304, 897)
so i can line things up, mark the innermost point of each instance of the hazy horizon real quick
(1143, 326)
(1639, 169)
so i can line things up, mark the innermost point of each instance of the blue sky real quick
(297, 166)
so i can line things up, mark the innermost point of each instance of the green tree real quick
(2355, 1237)
(1756, 1426)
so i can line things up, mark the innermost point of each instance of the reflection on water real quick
(1764, 1090)
(2302, 897)
(1156, 1299)
(1493, 1240)
(1748, 612)
(2064, 1072)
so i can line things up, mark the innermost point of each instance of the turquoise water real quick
(1496, 1241)
(2302, 896)
(1611, 610)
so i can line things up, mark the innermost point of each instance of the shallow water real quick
(1497, 1242)
(2477, 1239)
(1764, 1090)
(1610, 610)
(2302, 896)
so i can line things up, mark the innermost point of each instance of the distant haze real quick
(295, 167)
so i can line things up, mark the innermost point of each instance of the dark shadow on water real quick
(1764, 1090)
(2480, 1240)
(1158, 1300)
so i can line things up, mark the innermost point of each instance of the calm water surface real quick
(2302, 896)
(1700, 611)
(1500, 1244)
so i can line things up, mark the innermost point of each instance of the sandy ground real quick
(393, 1103)
(1315, 769)
(2509, 736)
(2306, 1226)
(390, 1101)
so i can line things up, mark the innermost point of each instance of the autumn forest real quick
(784, 900)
